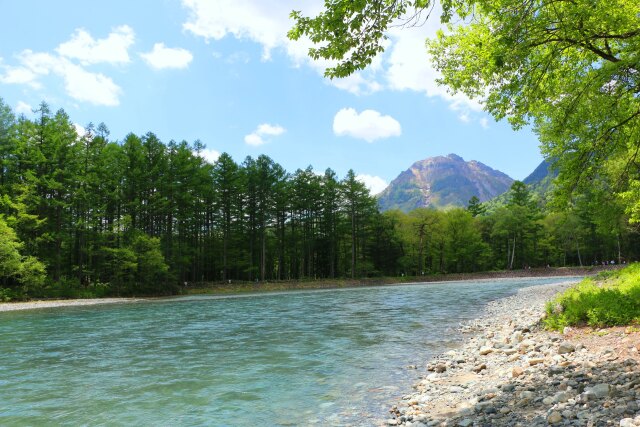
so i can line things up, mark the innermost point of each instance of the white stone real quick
(485, 350)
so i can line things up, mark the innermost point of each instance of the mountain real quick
(539, 182)
(443, 181)
(539, 174)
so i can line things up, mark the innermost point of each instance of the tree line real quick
(84, 214)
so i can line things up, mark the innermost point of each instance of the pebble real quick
(566, 347)
(525, 376)
(554, 417)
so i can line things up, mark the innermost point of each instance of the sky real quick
(223, 72)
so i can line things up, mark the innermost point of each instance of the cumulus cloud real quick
(210, 155)
(409, 67)
(80, 84)
(162, 57)
(80, 130)
(404, 66)
(257, 137)
(368, 125)
(113, 49)
(69, 64)
(267, 24)
(23, 108)
(484, 122)
(375, 184)
(20, 75)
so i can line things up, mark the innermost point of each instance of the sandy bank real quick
(30, 305)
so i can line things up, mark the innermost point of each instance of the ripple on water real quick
(321, 357)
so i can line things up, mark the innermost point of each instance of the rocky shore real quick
(511, 372)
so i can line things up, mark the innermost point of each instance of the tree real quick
(358, 205)
(352, 29)
(476, 208)
(569, 68)
(226, 179)
(465, 250)
(16, 269)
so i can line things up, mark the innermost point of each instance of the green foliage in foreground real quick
(609, 299)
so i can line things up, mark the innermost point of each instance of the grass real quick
(611, 298)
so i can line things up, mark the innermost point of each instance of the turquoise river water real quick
(332, 357)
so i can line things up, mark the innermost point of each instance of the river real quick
(328, 357)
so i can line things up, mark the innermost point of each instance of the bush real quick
(5, 295)
(610, 299)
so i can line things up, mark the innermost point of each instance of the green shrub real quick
(607, 300)
(5, 295)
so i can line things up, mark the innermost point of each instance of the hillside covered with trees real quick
(87, 215)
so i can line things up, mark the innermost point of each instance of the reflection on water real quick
(311, 357)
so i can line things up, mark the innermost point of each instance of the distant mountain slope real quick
(441, 182)
(539, 182)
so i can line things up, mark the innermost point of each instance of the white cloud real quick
(375, 184)
(162, 57)
(69, 63)
(368, 125)
(410, 68)
(267, 24)
(80, 130)
(79, 83)
(23, 108)
(273, 130)
(20, 75)
(113, 49)
(404, 66)
(238, 58)
(256, 138)
(357, 84)
(209, 155)
(484, 122)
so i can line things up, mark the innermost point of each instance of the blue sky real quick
(223, 71)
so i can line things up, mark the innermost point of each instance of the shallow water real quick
(292, 358)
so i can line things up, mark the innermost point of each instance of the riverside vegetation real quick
(86, 216)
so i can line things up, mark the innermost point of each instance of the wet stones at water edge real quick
(513, 373)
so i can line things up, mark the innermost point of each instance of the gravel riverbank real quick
(30, 305)
(511, 372)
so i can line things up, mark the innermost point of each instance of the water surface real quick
(292, 358)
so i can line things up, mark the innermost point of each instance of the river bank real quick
(283, 285)
(236, 287)
(511, 372)
(31, 305)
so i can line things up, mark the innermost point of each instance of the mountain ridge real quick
(443, 181)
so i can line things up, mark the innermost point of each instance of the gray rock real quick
(554, 417)
(601, 390)
(568, 414)
(566, 347)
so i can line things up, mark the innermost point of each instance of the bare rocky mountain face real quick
(443, 182)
